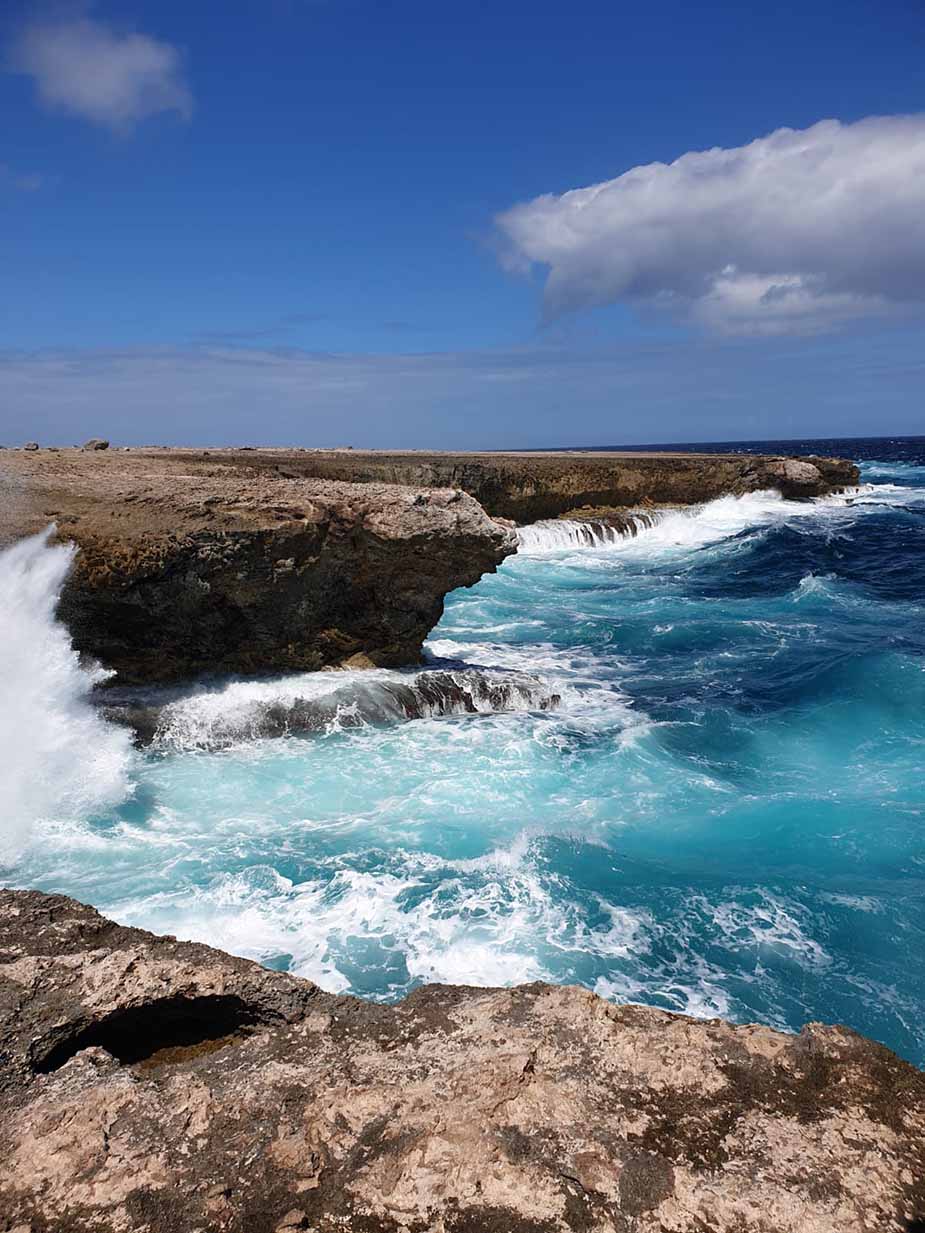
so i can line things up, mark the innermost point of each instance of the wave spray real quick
(61, 760)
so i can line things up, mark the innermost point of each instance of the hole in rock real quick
(171, 1030)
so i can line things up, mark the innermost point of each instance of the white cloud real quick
(110, 78)
(796, 232)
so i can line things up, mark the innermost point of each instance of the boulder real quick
(95, 443)
(31, 445)
(793, 477)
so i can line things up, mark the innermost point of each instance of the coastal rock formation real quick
(253, 561)
(185, 569)
(152, 1086)
(526, 487)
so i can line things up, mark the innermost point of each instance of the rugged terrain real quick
(155, 1086)
(254, 561)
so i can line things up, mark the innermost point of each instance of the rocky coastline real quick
(197, 562)
(150, 1085)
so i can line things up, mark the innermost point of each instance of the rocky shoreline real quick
(256, 561)
(156, 1086)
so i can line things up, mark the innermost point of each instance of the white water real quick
(327, 702)
(554, 534)
(696, 526)
(61, 761)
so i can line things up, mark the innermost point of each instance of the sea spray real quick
(61, 760)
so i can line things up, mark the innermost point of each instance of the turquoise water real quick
(723, 815)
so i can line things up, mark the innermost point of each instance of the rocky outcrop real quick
(253, 561)
(526, 487)
(189, 567)
(153, 1086)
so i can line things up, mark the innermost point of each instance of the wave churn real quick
(721, 816)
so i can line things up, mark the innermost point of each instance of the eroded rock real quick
(274, 1106)
(192, 567)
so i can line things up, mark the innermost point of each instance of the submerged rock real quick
(241, 711)
(152, 1086)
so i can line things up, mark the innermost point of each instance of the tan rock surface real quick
(152, 1086)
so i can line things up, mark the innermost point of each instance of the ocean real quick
(704, 790)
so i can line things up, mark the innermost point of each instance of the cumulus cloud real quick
(797, 232)
(92, 70)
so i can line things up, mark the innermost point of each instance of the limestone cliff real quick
(154, 1086)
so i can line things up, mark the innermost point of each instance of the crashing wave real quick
(59, 759)
(323, 703)
(557, 533)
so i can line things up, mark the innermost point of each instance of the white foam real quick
(61, 761)
(494, 920)
(686, 529)
(328, 702)
(555, 534)
(769, 924)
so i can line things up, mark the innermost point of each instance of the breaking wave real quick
(324, 702)
(60, 759)
(553, 534)
(692, 527)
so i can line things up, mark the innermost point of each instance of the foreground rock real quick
(152, 1086)
(188, 567)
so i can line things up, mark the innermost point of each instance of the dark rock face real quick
(186, 569)
(347, 577)
(95, 443)
(154, 1086)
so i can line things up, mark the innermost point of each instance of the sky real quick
(408, 224)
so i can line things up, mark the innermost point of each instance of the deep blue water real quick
(725, 815)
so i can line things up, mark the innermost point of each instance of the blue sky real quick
(322, 221)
